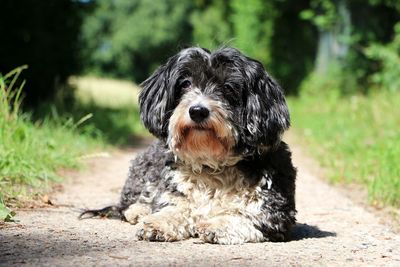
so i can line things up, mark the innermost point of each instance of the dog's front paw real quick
(149, 232)
(228, 230)
(152, 228)
(213, 235)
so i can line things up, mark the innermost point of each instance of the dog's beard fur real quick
(209, 143)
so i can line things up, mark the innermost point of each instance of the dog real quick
(219, 170)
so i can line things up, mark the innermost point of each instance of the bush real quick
(387, 75)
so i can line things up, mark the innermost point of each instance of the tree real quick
(129, 39)
(332, 19)
(344, 33)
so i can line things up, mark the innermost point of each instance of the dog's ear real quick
(157, 98)
(265, 112)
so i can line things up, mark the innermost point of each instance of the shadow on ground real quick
(303, 231)
(25, 245)
(28, 246)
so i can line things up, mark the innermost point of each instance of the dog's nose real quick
(198, 113)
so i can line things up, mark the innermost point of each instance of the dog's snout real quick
(198, 113)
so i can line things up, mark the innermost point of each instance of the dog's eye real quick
(185, 84)
(227, 86)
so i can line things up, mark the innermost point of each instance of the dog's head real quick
(214, 108)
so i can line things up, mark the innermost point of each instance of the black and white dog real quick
(219, 170)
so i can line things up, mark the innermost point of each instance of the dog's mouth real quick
(186, 130)
(209, 144)
(202, 138)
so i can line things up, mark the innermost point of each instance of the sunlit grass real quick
(102, 113)
(357, 138)
(109, 93)
(113, 105)
(31, 151)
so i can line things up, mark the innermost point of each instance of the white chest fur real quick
(217, 193)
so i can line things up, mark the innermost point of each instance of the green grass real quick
(34, 146)
(356, 138)
(105, 92)
(31, 152)
(114, 108)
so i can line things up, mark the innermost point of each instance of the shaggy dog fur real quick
(219, 170)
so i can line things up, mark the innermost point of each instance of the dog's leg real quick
(228, 229)
(169, 224)
(136, 211)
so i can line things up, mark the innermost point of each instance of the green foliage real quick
(247, 25)
(130, 38)
(390, 3)
(31, 152)
(344, 33)
(6, 214)
(211, 28)
(356, 138)
(252, 27)
(323, 13)
(388, 75)
(377, 29)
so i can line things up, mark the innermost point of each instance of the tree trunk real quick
(333, 43)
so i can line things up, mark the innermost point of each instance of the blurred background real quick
(70, 69)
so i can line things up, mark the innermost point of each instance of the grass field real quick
(356, 138)
(32, 148)
(103, 92)
(113, 106)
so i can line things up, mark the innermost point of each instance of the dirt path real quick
(331, 231)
